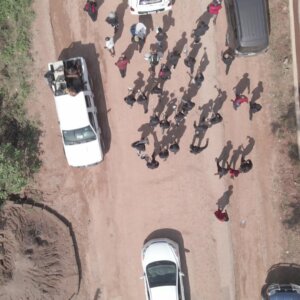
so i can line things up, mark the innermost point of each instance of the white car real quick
(76, 110)
(143, 7)
(163, 278)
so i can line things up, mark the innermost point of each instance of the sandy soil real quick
(116, 206)
(36, 256)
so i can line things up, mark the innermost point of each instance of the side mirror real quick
(142, 277)
(181, 274)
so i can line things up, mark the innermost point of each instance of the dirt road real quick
(116, 206)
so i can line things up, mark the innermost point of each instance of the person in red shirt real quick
(233, 173)
(222, 216)
(214, 8)
(91, 8)
(239, 100)
(122, 65)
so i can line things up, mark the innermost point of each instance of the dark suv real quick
(248, 26)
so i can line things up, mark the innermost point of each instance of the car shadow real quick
(175, 236)
(282, 273)
(89, 53)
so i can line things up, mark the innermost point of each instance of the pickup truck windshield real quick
(79, 136)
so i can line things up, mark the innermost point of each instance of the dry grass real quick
(284, 128)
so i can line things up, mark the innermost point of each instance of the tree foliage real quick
(19, 137)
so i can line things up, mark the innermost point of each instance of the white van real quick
(76, 110)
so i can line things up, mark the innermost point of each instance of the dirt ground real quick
(117, 205)
(36, 256)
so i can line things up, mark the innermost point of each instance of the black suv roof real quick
(252, 23)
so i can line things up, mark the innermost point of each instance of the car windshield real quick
(78, 136)
(145, 2)
(161, 273)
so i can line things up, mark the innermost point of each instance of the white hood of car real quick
(164, 293)
(84, 154)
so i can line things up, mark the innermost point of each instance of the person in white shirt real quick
(110, 45)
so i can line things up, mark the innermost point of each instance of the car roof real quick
(72, 111)
(252, 23)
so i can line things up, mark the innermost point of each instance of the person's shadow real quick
(120, 11)
(168, 21)
(224, 200)
(205, 17)
(180, 43)
(171, 106)
(139, 82)
(219, 101)
(204, 62)
(147, 20)
(162, 103)
(235, 156)
(242, 85)
(223, 157)
(129, 51)
(247, 150)
(194, 52)
(145, 129)
(206, 109)
(256, 93)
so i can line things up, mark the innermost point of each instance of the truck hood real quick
(84, 154)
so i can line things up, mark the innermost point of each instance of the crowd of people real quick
(172, 121)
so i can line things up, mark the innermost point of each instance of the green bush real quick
(19, 137)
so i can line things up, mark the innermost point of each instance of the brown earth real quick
(36, 256)
(116, 206)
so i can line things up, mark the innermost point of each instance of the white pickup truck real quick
(76, 110)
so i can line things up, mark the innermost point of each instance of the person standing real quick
(200, 31)
(153, 163)
(197, 149)
(122, 65)
(154, 120)
(91, 8)
(214, 9)
(112, 20)
(174, 58)
(140, 145)
(138, 32)
(233, 173)
(174, 147)
(239, 100)
(246, 165)
(215, 119)
(163, 153)
(221, 170)
(130, 99)
(198, 79)
(222, 216)
(228, 57)
(160, 36)
(110, 45)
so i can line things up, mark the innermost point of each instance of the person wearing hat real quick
(138, 32)
(112, 20)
